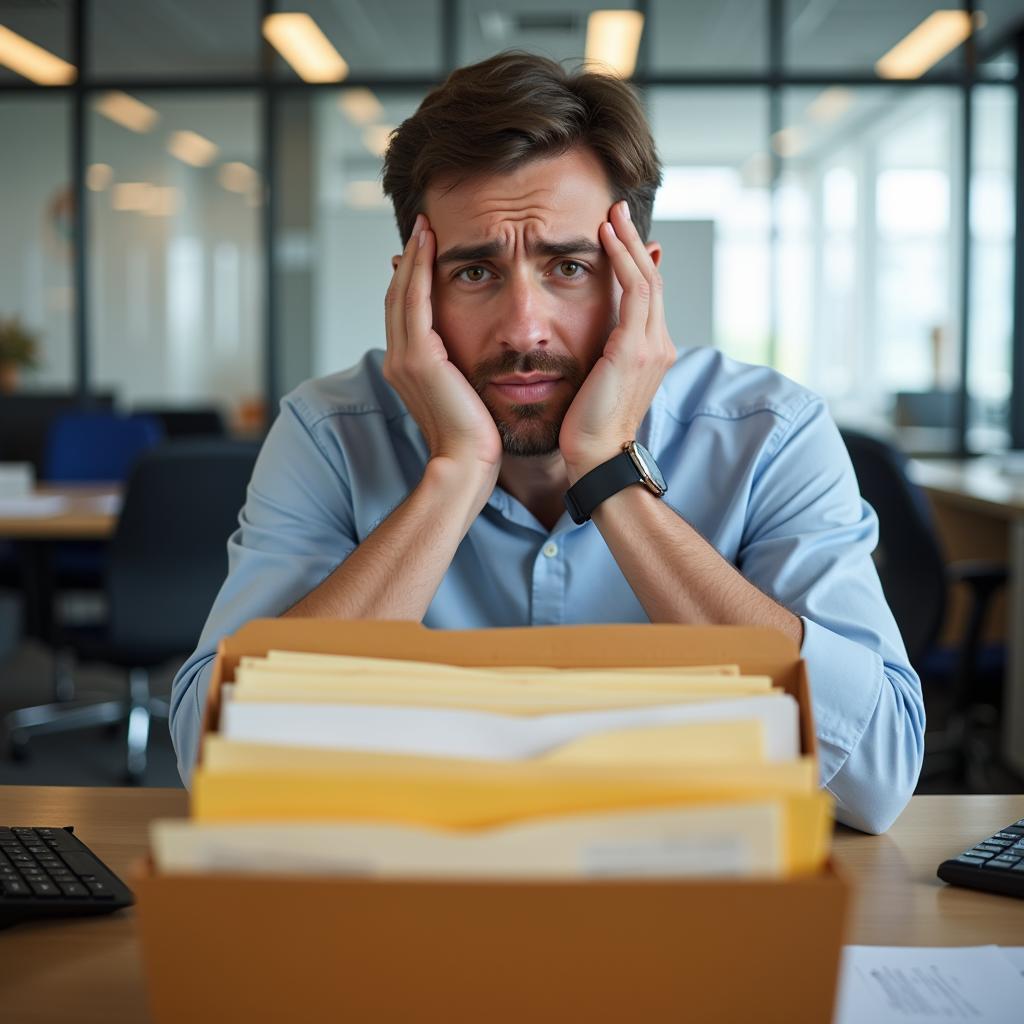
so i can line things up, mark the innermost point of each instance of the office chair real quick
(179, 424)
(916, 579)
(168, 558)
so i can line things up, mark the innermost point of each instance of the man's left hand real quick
(618, 391)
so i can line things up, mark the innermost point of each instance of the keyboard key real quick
(44, 890)
(13, 887)
(101, 891)
(75, 890)
(996, 843)
(1019, 866)
(966, 858)
(1013, 830)
(999, 864)
(1012, 858)
(976, 852)
(83, 864)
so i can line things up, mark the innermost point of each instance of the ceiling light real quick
(163, 201)
(298, 39)
(33, 62)
(192, 148)
(830, 104)
(789, 142)
(939, 34)
(613, 39)
(376, 138)
(131, 195)
(127, 111)
(365, 195)
(237, 177)
(360, 106)
(98, 177)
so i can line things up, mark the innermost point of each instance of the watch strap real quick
(599, 485)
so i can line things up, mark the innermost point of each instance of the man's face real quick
(523, 293)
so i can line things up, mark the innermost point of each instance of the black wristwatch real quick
(634, 465)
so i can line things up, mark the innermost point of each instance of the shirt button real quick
(550, 549)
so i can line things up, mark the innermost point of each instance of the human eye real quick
(472, 275)
(570, 270)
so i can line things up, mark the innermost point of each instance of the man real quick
(475, 474)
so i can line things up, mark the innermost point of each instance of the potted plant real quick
(18, 349)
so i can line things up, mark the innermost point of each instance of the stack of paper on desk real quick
(366, 766)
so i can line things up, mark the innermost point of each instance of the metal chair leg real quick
(138, 723)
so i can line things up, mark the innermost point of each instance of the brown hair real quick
(507, 110)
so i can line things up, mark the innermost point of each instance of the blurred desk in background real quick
(978, 490)
(62, 512)
(54, 512)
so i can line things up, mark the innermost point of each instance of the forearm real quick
(676, 574)
(395, 572)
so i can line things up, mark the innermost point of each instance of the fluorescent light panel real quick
(98, 177)
(237, 177)
(360, 106)
(298, 39)
(830, 104)
(613, 39)
(33, 62)
(938, 35)
(127, 111)
(192, 148)
(376, 137)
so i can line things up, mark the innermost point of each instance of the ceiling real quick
(148, 38)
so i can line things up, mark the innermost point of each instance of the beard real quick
(532, 428)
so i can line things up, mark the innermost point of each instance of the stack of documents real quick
(329, 764)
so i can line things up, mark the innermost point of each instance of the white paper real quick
(1015, 954)
(894, 984)
(40, 505)
(485, 735)
(739, 840)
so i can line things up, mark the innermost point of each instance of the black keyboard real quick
(49, 872)
(995, 864)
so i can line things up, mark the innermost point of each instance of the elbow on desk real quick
(879, 776)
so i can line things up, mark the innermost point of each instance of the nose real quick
(523, 321)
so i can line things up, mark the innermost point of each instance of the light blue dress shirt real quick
(752, 460)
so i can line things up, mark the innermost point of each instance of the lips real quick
(526, 388)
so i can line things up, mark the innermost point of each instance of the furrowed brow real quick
(581, 246)
(469, 253)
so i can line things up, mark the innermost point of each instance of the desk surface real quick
(91, 968)
(977, 483)
(82, 512)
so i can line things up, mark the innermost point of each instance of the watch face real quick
(649, 467)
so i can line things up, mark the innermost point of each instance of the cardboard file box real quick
(233, 948)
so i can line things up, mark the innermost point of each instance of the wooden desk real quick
(91, 969)
(978, 485)
(88, 512)
(83, 512)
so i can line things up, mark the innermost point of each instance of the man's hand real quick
(618, 391)
(454, 421)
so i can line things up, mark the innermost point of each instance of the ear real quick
(654, 248)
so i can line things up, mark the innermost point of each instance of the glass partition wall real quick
(189, 218)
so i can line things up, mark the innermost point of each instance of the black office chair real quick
(916, 578)
(187, 423)
(168, 558)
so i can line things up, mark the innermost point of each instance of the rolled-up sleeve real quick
(808, 542)
(296, 527)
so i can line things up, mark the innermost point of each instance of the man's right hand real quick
(451, 415)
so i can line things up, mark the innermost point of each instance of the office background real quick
(185, 221)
